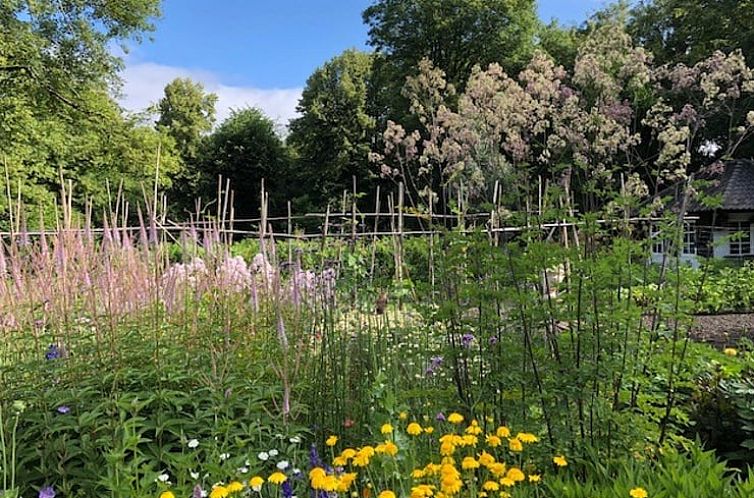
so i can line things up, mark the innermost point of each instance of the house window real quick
(689, 238)
(658, 244)
(740, 239)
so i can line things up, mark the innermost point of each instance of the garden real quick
(142, 365)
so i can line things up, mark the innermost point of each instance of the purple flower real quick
(53, 352)
(466, 340)
(440, 417)
(287, 489)
(64, 409)
(314, 460)
(198, 492)
(493, 340)
(434, 363)
(47, 492)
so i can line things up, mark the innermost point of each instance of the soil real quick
(723, 330)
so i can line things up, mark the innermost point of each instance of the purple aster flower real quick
(440, 417)
(64, 409)
(47, 492)
(493, 340)
(466, 340)
(198, 492)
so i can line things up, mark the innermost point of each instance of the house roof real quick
(733, 183)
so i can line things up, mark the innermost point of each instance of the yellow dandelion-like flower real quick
(331, 441)
(403, 415)
(235, 486)
(497, 469)
(525, 437)
(560, 461)
(422, 491)
(474, 428)
(535, 478)
(455, 418)
(340, 461)
(515, 474)
(490, 486)
(348, 453)
(277, 478)
(386, 494)
(167, 494)
(507, 482)
(219, 492)
(730, 351)
(493, 441)
(418, 473)
(515, 444)
(486, 459)
(469, 463)
(638, 493)
(429, 430)
(256, 482)
(503, 431)
(414, 429)
(345, 481)
(386, 429)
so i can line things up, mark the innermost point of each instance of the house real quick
(725, 231)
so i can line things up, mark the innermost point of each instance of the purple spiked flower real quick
(47, 492)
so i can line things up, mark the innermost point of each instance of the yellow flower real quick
(534, 477)
(340, 461)
(414, 429)
(386, 429)
(422, 491)
(515, 444)
(429, 430)
(474, 428)
(493, 441)
(469, 440)
(469, 463)
(490, 486)
(730, 351)
(497, 469)
(515, 474)
(219, 492)
(507, 482)
(486, 459)
(388, 447)
(560, 461)
(345, 481)
(403, 415)
(418, 473)
(277, 478)
(235, 486)
(256, 483)
(503, 431)
(386, 494)
(525, 437)
(348, 453)
(167, 494)
(455, 418)
(331, 441)
(638, 493)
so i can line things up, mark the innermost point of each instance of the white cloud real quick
(144, 82)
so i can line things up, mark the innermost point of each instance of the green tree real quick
(245, 149)
(334, 134)
(690, 30)
(454, 34)
(187, 114)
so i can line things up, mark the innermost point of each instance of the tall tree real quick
(187, 114)
(454, 34)
(245, 149)
(690, 30)
(334, 134)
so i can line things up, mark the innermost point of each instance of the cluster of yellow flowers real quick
(462, 463)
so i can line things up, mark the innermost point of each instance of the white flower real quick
(283, 464)
(224, 456)
(273, 453)
(709, 148)
(193, 443)
(194, 475)
(163, 478)
(295, 439)
(264, 456)
(296, 471)
(243, 470)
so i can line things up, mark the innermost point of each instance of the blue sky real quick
(260, 52)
